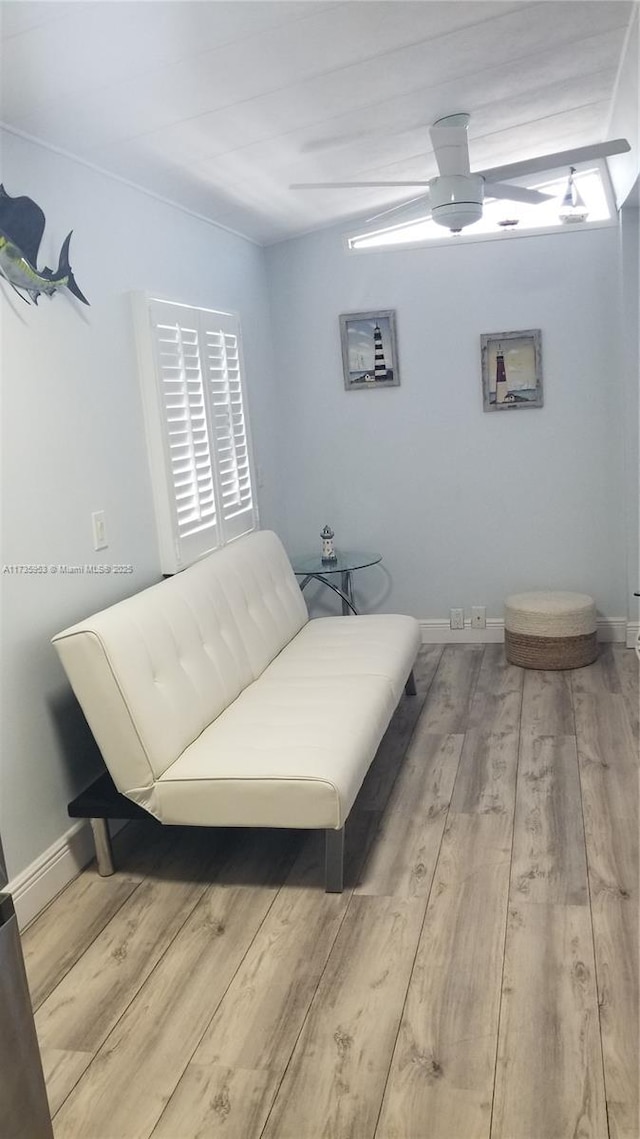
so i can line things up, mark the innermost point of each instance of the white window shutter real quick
(235, 493)
(197, 430)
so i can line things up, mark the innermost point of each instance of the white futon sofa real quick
(215, 701)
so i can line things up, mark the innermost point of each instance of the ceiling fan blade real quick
(347, 185)
(551, 161)
(405, 211)
(515, 193)
(451, 144)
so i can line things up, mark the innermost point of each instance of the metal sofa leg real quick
(104, 852)
(334, 860)
(410, 686)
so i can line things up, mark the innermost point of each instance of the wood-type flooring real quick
(477, 979)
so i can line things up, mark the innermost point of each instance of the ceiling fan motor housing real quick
(456, 199)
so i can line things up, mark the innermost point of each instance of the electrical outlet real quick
(478, 617)
(99, 530)
(456, 618)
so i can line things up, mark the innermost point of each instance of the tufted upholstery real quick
(215, 701)
(154, 670)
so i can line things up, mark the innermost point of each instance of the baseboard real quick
(613, 631)
(633, 631)
(39, 884)
(438, 632)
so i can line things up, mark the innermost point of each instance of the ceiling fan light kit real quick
(456, 200)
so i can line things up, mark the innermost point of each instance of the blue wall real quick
(466, 506)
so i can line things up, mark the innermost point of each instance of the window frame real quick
(181, 549)
(468, 237)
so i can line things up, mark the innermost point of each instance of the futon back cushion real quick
(152, 672)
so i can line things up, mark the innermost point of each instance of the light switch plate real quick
(99, 530)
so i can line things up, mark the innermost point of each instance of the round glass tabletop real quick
(346, 560)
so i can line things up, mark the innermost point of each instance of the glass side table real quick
(312, 568)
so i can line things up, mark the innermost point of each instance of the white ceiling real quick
(220, 104)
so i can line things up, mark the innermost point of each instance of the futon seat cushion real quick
(294, 747)
(381, 644)
(288, 754)
(309, 724)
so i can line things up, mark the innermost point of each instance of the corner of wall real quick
(623, 119)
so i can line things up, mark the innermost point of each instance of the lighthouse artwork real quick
(380, 368)
(512, 370)
(369, 354)
(502, 388)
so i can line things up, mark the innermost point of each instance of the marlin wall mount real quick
(22, 225)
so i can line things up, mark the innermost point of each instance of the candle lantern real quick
(328, 551)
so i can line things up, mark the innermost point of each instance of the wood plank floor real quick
(478, 978)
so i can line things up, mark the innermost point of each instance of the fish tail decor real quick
(22, 225)
(64, 274)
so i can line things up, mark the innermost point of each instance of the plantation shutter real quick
(197, 430)
(235, 496)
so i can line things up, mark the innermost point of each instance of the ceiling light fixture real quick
(572, 207)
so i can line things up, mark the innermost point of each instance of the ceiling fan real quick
(455, 195)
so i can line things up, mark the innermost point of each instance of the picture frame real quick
(511, 370)
(369, 350)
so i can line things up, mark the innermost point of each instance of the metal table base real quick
(346, 593)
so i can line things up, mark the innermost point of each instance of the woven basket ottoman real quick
(550, 630)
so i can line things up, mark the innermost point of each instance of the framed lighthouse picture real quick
(511, 369)
(369, 351)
